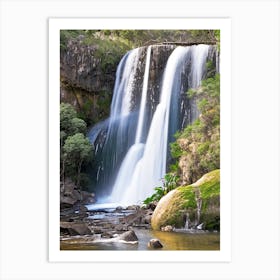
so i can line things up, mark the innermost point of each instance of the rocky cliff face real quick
(87, 78)
(88, 71)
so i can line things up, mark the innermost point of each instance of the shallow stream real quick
(170, 241)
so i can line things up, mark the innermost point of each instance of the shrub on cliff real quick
(197, 147)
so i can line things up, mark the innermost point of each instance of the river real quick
(170, 241)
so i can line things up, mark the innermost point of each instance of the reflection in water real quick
(170, 241)
(188, 241)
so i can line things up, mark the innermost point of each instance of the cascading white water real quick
(139, 175)
(124, 84)
(144, 164)
(135, 153)
(118, 131)
(121, 104)
(198, 58)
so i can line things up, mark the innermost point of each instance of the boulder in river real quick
(66, 202)
(167, 228)
(198, 203)
(128, 236)
(74, 228)
(154, 244)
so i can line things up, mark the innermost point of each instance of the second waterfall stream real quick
(149, 105)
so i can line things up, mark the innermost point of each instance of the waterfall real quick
(119, 129)
(137, 158)
(124, 84)
(135, 153)
(144, 98)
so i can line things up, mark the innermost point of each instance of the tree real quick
(67, 113)
(76, 151)
(75, 148)
(69, 123)
(77, 126)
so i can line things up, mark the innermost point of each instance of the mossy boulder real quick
(197, 203)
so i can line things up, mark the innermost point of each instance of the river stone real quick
(68, 186)
(119, 209)
(128, 236)
(66, 201)
(82, 209)
(152, 205)
(167, 228)
(133, 207)
(154, 244)
(97, 230)
(147, 219)
(121, 227)
(76, 195)
(87, 198)
(170, 209)
(107, 234)
(75, 228)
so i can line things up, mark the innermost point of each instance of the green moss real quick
(187, 196)
(210, 194)
(171, 210)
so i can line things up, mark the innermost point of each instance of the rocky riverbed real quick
(104, 223)
(127, 229)
(170, 224)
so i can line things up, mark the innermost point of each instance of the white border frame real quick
(55, 254)
(24, 102)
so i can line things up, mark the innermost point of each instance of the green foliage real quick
(69, 123)
(78, 125)
(207, 35)
(217, 35)
(209, 64)
(126, 39)
(188, 197)
(65, 35)
(202, 138)
(107, 47)
(75, 148)
(109, 50)
(210, 69)
(67, 113)
(159, 193)
(176, 150)
(76, 151)
(210, 35)
(183, 200)
(169, 183)
(191, 93)
(174, 167)
(202, 104)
